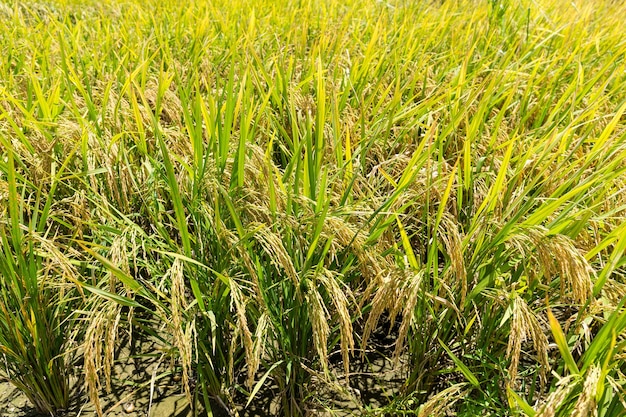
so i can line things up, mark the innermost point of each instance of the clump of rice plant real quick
(36, 315)
(262, 189)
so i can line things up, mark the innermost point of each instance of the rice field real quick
(302, 208)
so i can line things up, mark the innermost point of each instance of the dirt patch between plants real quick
(15, 404)
(370, 389)
(144, 386)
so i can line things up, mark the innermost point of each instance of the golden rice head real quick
(342, 299)
(399, 295)
(182, 338)
(586, 405)
(345, 234)
(410, 293)
(524, 326)
(440, 403)
(259, 347)
(554, 255)
(99, 356)
(613, 292)
(238, 304)
(241, 253)
(231, 354)
(563, 388)
(273, 246)
(385, 298)
(452, 239)
(118, 254)
(319, 322)
(558, 255)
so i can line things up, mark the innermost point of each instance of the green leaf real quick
(561, 342)
(521, 403)
(121, 300)
(261, 381)
(471, 378)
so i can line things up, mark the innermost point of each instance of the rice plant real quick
(266, 190)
